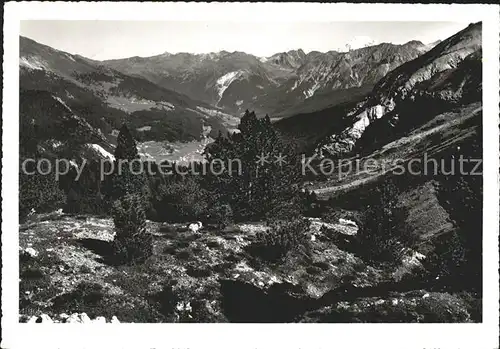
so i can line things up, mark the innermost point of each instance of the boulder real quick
(344, 227)
(46, 319)
(348, 222)
(99, 320)
(317, 224)
(31, 252)
(195, 227)
(84, 318)
(73, 319)
(410, 261)
(250, 228)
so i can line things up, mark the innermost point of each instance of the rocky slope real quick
(237, 81)
(447, 76)
(343, 70)
(211, 277)
(105, 98)
(50, 125)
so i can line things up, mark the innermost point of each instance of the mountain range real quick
(447, 76)
(236, 81)
(184, 97)
(106, 98)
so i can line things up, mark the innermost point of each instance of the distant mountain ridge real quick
(184, 96)
(447, 76)
(107, 98)
(238, 81)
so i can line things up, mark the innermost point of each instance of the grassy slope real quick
(438, 135)
(438, 138)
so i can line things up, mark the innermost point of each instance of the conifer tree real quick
(263, 186)
(132, 243)
(127, 177)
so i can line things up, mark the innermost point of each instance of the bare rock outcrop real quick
(450, 73)
(75, 318)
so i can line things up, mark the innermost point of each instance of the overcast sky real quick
(119, 39)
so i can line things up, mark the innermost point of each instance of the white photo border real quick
(290, 336)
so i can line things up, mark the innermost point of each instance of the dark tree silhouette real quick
(253, 182)
(132, 242)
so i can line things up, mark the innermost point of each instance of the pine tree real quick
(126, 147)
(264, 187)
(132, 243)
(383, 232)
(127, 177)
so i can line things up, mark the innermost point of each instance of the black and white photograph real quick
(216, 170)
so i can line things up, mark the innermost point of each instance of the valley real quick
(181, 152)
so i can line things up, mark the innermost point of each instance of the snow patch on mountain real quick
(32, 63)
(144, 128)
(101, 151)
(70, 57)
(62, 102)
(310, 92)
(224, 81)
